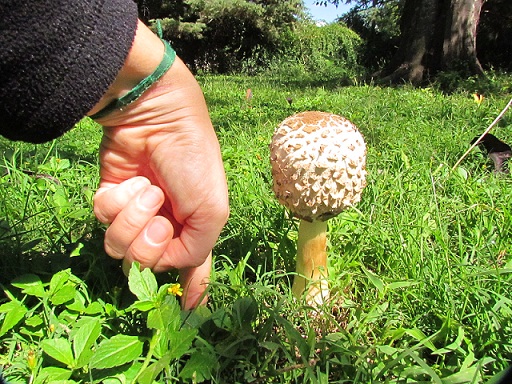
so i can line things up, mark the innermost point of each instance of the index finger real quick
(110, 199)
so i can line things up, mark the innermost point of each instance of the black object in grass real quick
(2, 379)
(498, 151)
(504, 377)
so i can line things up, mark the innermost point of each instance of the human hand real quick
(163, 190)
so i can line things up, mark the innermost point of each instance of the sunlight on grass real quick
(421, 269)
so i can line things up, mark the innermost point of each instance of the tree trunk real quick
(435, 35)
(459, 45)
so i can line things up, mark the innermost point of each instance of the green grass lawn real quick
(421, 269)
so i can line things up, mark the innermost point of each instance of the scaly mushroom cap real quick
(318, 164)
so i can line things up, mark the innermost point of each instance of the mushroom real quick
(319, 169)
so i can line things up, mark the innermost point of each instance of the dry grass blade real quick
(483, 134)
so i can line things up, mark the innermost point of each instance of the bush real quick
(225, 36)
(494, 82)
(323, 52)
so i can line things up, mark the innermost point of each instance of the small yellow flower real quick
(31, 360)
(52, 327)
(175, 290)
(478, 98)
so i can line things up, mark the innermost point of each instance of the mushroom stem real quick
(311, 264)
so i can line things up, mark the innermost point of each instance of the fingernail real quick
(156, 232)
(151, 198)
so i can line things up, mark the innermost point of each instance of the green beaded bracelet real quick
(139, 89)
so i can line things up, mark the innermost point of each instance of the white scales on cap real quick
(319, 169)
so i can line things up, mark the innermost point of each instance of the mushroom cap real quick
(318, 164)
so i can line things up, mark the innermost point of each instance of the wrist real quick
(145, 56)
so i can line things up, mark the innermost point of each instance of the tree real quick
(223, 35)
(379, 28)
(435, 35)
(495, 35)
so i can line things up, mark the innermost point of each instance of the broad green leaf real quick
(30, 284)
(199, 367)
(143, 306)
(397, 333)
(197, 317)
(245, 310)
(61, 200)
(34, 321)
(54, 165)
(222, 319)
(155, 319)
(161, 343)
(59, 349)
(62, 287)
(52, 374)
(14, 312)
(180, 342)
(94, 308)
(163, 292)
(76, 306)
(166, 316)
(118, 350)
(62, 164)
(150, 373)
(125, 376)
(142, 284)
(88, 332)
(76, 252)
(64, 294)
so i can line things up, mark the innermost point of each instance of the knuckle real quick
(98, 209)
(131, 222)
(112, 251)
(98, 212)
(221, 213)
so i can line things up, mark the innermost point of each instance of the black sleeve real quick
(57, 59)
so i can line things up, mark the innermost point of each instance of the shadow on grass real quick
(85, 258)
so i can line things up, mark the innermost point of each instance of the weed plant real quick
(421, 269)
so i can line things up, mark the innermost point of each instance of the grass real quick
(420, 271)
